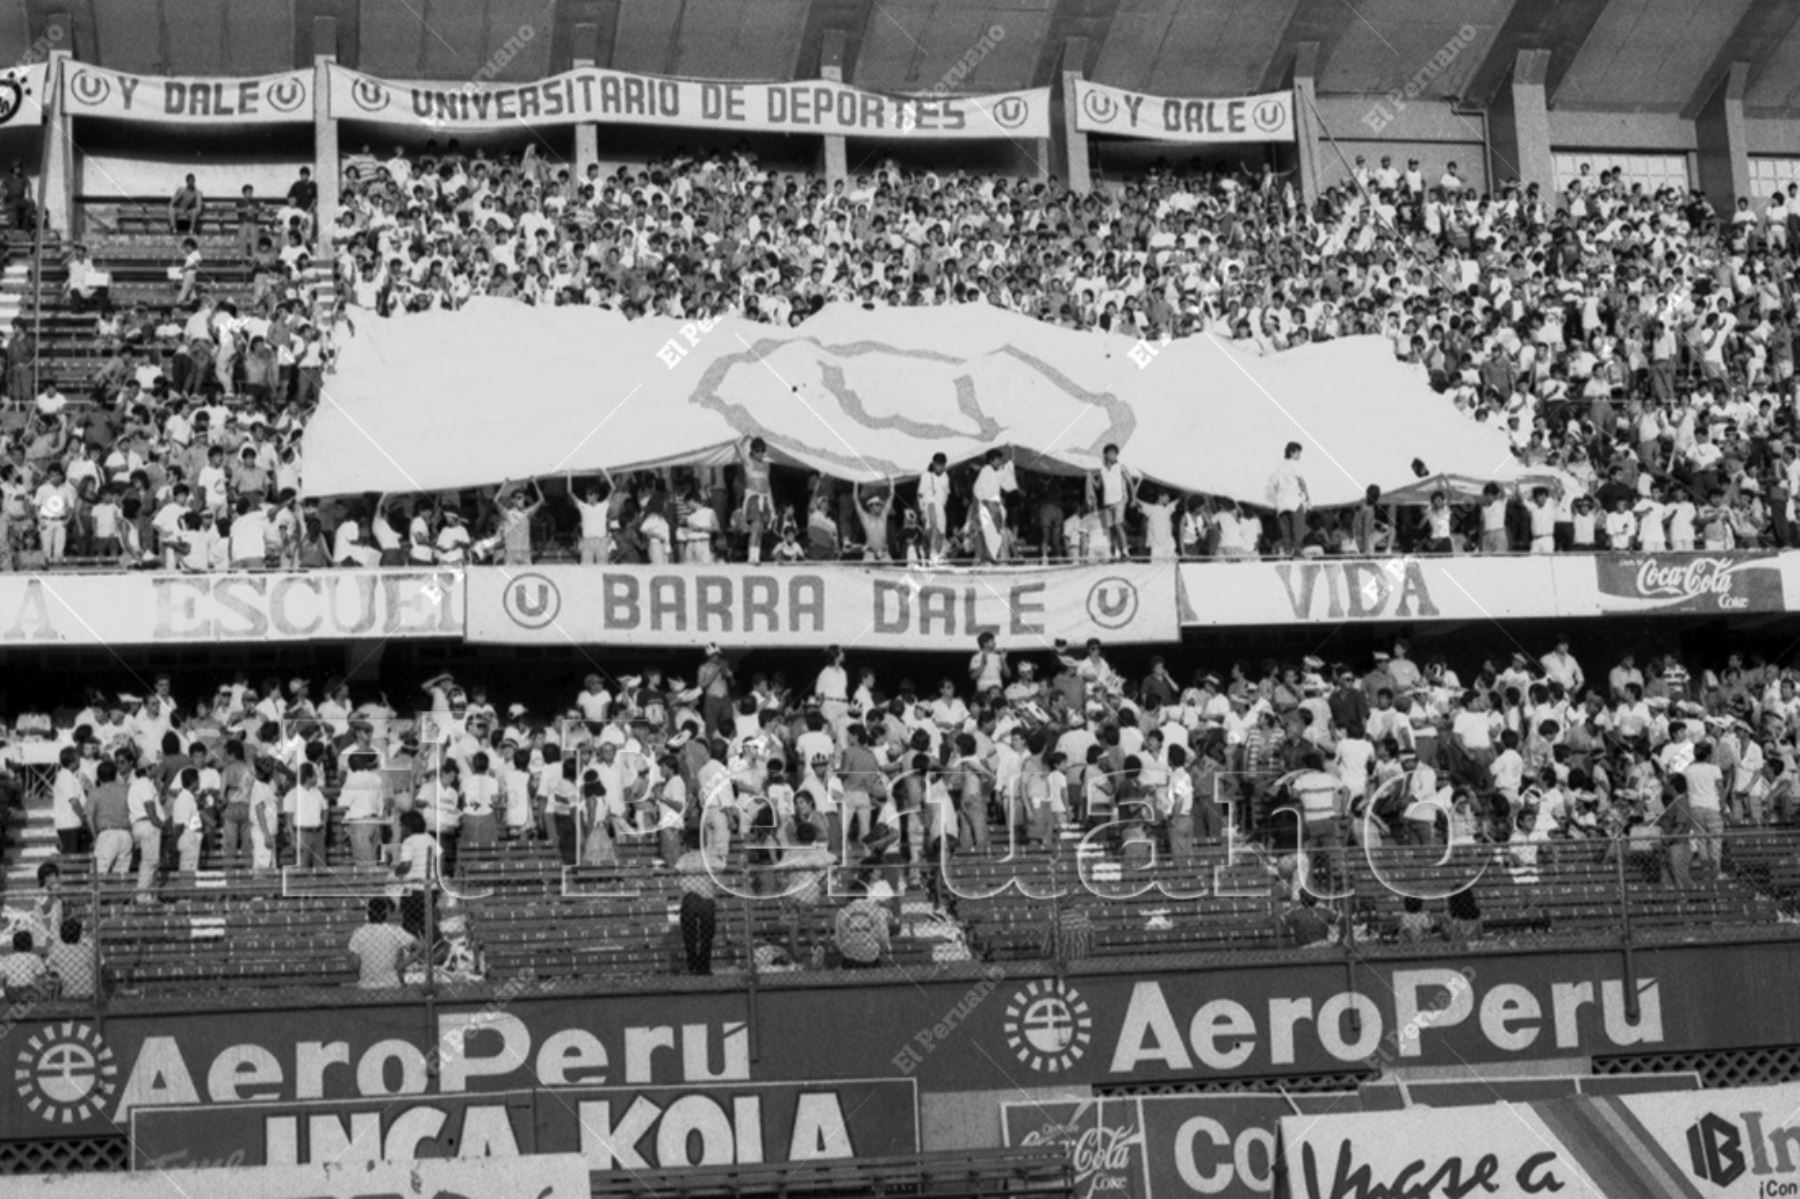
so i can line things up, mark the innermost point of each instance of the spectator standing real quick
(68, 803)
(112, 822)
(699, 909)
(1705, 799)
(147, 825)
(1287, 494)
(311, 813)
(184, 820)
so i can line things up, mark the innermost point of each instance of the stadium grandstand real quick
(838, 597)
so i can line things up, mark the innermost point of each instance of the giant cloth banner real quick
(91, 91)
(1264, 118)
(810, 106)
(869, 607)
(500, 389)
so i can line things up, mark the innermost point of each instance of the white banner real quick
(22, 95)
(1316, 590)
(161, 609)
(1265, 118)
(91, 91)
(809, 106)
(818, 604)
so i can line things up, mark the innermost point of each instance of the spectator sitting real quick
(861, 930)
(382, 948)
(71, 961)
(22, 972)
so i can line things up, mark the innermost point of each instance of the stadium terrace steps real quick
(533, 918)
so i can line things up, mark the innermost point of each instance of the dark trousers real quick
(71, 841)
(716, 711)
(699, 920)
(565, 836)
(311, 848)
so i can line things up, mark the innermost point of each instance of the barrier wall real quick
(174, 609)
(1421, 589)
(781, 1069)
(874, 607)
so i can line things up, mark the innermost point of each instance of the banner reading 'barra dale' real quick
(869, 607)
(810, 106)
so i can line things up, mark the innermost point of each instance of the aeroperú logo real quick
(1716, 1150)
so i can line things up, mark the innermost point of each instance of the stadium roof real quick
(1653, 56)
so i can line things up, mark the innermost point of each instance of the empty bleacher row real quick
(528, 917)
(129, 239)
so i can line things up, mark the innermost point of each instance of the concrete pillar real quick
(587, 135)
(1308, 131)
(57, 162)
(1074, 156)
(835, 154)
(1723, 158)
(1519, 126)
(327, 164)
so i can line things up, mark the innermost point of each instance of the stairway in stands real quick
(30, 841)
(131, 241)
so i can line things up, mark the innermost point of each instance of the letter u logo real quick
(531, 601)
(1112, 602)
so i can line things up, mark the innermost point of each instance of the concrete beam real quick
(1519, 125)
(585, 41)
(1722, 142)
(327, 168)
(1307, 128)
(1071, 150)
(833, 51)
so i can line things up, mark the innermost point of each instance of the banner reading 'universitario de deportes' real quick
(1113, 110)
(809, 106)
(91, 91)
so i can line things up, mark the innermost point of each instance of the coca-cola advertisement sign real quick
(1715, 583)
(1105, 1141)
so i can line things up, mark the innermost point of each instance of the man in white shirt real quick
(989, 516)
(147, 821)
(934, 500)
(1560, 666)
(1290, 499)
(595, 701)
(1112, 493)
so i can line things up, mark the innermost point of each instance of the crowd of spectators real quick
(886, 778)
(1633, 341)
(1636, 346)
